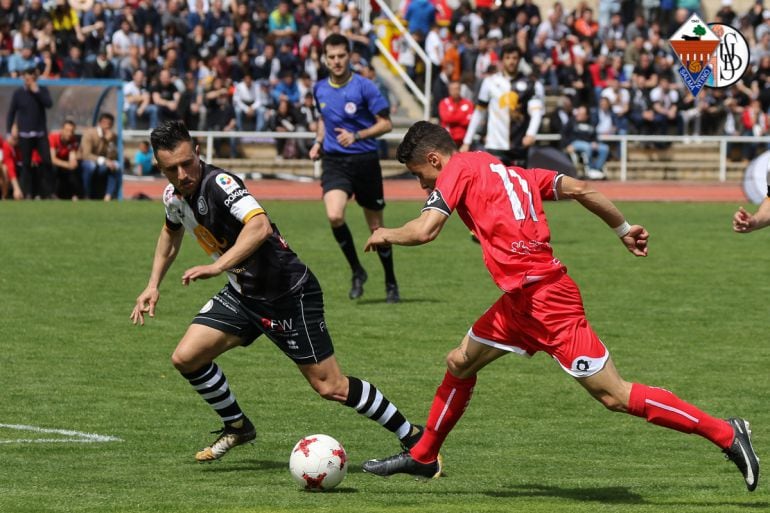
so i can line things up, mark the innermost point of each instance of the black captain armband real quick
(172, 225)
(768, 191)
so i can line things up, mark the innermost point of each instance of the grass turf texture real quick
(692, 317)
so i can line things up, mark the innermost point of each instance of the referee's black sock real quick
(386, 257)
(345, 241)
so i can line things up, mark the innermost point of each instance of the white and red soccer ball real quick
(318, 462)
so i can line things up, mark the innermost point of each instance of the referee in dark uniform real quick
(353, 114)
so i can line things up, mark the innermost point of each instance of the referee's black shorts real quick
(295, 323)
(359, 175)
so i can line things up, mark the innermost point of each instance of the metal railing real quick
(423, 97)
(722, 141)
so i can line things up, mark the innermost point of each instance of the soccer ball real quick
(318, 462)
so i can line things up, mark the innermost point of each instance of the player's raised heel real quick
(228, 438)
(403, 463)
(741, 452)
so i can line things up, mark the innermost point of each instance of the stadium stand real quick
(195, 53)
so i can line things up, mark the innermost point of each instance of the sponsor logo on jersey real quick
(226, 182)
(168, 194)
(203, 208)
(350, 108)
(234, 196)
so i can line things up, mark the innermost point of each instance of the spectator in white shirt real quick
(137, 102)
(248, 106)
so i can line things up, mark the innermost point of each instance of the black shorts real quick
(359, 175)
(295, 323)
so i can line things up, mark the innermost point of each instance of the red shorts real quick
(545, 316)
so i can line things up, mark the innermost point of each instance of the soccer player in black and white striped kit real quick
(269, 291)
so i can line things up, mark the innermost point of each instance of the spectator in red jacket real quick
(64, 155)
(455, 112)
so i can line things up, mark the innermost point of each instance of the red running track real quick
(409, 190)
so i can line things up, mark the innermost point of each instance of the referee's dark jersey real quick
(215, 215)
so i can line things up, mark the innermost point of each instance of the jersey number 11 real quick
(506, 174)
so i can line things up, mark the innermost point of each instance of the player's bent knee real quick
(612, 403)
(184, 364)
(336, 220)
(329, 390)
(457, 364)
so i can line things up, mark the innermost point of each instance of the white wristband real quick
(623, 229)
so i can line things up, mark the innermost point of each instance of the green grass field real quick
(693, 317)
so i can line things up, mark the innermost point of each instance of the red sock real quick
(663, 408)
(449, 404)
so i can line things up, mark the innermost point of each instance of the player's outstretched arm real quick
(633, 237)
(414, 233)
(254, 233)
(166, 251)
(743, 222)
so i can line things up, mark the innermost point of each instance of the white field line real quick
(80, 436)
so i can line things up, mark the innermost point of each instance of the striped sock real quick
(370, 402)
(210, 382)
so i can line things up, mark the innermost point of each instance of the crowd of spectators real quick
(251, 64)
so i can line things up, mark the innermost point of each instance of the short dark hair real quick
(336, 40)
(106, 115)
(168, 135)
(69, 121)
(510, 48)
(422, 138)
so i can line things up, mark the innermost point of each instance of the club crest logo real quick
(694, 44)
(350, 108)
(731, 58)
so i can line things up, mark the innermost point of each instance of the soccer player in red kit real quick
(540, 309)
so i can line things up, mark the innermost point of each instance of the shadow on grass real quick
(381, 300)
(608, 495)
(332, 491)
(247, 465)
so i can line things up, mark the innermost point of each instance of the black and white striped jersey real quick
(215, 214)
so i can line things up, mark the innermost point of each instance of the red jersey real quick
(455, 116)
(62, 149)
(8, 158)
(504, 209)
